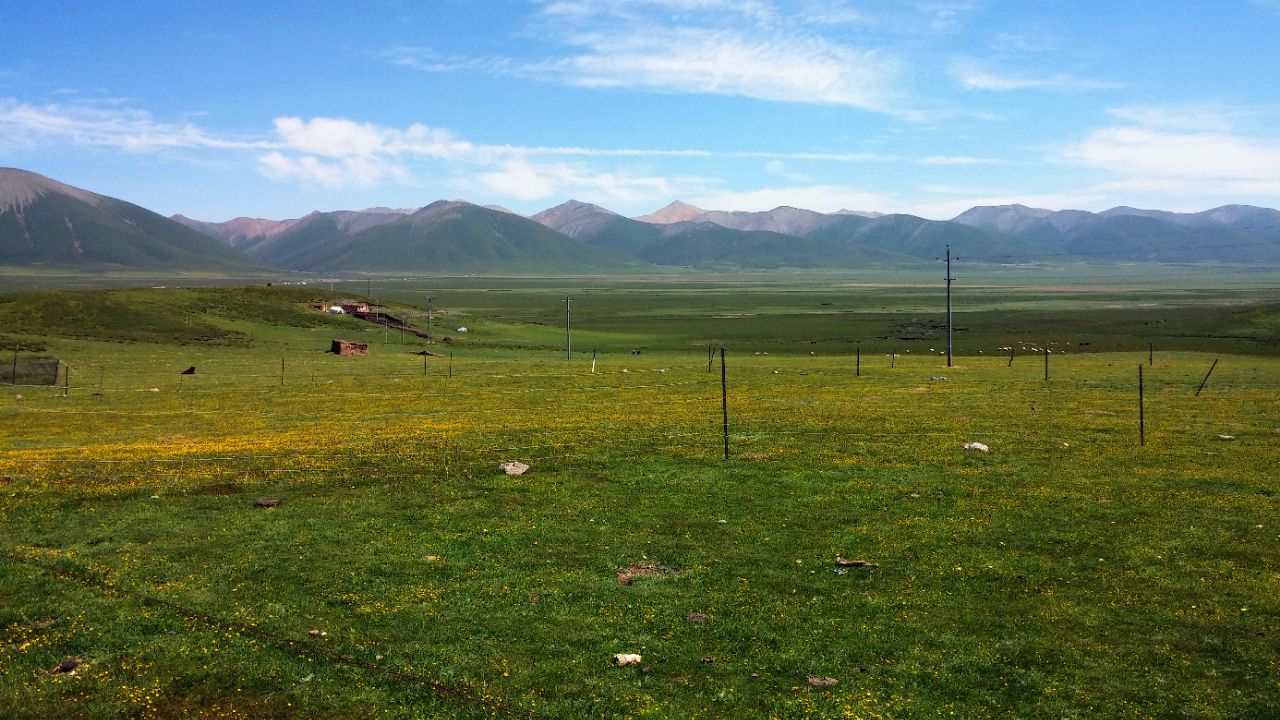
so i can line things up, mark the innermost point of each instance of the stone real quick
(626, 659)
(266, 502)
(821, 682)
(976, 447)
(514, 467)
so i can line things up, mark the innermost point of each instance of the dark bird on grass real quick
(189, 371)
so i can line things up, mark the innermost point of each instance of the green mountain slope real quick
(455, 237)
(46, 223)
(706, 244)
(917, 237)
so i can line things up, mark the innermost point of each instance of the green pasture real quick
(1072, 571)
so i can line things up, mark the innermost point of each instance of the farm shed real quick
(346, 347)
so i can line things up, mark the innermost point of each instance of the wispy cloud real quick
(975, 75)
(704, 47)
(1178, 152)
(725, 62)
(823, 198)
(1146, 152)
(333, 174)
(1022, 43)
(429, 61)
(960, 160)
(25, 124)
(528, 180)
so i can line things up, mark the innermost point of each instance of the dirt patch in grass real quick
(643, 570)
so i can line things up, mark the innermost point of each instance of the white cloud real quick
(25, 124)
(1190, 117)
(959, 160)
(527, 181)
(725, 62)
(1136, 151)
(822, 198)
(973, 75)
(337, 153)
(340, 174)
(338, 137)
(716, 47)
(1022, 43)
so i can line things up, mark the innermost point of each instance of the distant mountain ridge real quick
(45, 222)
(1251, 234)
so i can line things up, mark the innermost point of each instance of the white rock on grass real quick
(976, 447)
(626, 659)
(515, 467)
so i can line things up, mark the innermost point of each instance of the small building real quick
(346, 347)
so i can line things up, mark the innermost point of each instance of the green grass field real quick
(1070, 572)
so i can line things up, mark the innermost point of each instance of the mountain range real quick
(47, 223)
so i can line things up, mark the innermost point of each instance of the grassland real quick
(1069, 572)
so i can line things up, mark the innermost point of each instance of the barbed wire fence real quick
(558, 418)
(565, 417)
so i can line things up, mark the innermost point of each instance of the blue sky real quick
(274, 109)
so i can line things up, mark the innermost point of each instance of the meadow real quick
(1075, 570)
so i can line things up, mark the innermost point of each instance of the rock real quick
(514, 467)
(695, 617)
(821, 682)
(18, 398)
(939, 378)
(976, 447)
(1226, 437)
(707, 659)
(67, 666)
(842, 562)
(347, 347)
(626, 659)
(266, 502)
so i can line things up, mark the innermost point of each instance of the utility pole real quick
(949, 279)
(568, 339)
(429, 301)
